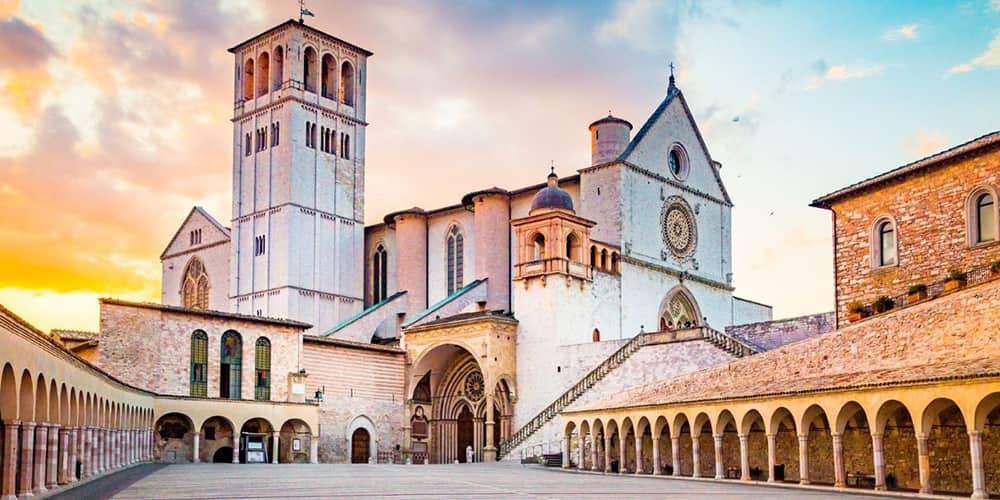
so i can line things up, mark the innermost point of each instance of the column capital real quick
(975, 433)
(11, 422)
(772, 435)
(28, 425)
(877, 435)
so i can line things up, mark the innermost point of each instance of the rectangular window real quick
(987, 223)
(888, 247)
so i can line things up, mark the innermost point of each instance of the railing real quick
(574, 392)
(974, 276)
(553, 265)
(732, 344)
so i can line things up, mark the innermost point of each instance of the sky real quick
(114, 116)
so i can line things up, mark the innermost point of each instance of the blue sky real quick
(117, 112)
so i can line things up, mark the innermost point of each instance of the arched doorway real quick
(360, 444)
(175, 438)
(465, 433)
(216, 433)
(223, 455)
(255, 441)
(294, 442)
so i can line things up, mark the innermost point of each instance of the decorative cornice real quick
(295, 205)
(285, 98)
(292, 287)
(682, 275)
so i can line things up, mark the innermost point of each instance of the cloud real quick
(924, 143)
(841, 72)
(904, 32)
(989, 58)
(23, 46)
(639, 23)
(995, 5)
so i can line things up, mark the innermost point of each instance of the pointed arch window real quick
(679, 312)
(456, 249)
(262, 370)
(199, 363)
(230, 365)
(380, 275)
(194, 288)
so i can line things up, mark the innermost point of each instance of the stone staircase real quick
(728, 343)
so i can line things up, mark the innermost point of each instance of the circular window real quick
(474, 386)
(679, 231)
(677, 162)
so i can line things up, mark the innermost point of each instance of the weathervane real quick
(303, 11)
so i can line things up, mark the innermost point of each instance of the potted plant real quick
(956, 279)
(995, 269)
(856, 311)
(756, 473)
(916, 293)
(882, 304)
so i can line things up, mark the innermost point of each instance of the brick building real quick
(915, 224)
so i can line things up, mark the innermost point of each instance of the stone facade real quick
(929, 205)
(149, 346)
(199, 237)
(362, 385)
(772, 334)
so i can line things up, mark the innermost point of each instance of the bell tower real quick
(298, 175)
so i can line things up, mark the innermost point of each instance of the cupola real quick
(551, 197)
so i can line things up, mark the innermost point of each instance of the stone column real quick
(314, 449)
(839, 475)
(8, 488)
(622, 454)
(978, 471)
(772, 459)
(593, 451)
(196, 458)
(115, 448)
(878, 454)
(27, 459)
(607, 452)
(924, 464)
(490, 451)
(566, 443)
(803, 458)
(41, 458)
(52, 459)
(581, 440)
(675, 454)
(75, 449)
(236, 449)
(656, 457)
(65, 438)
(274, 446)
(85, 452)
(744, 457)
(695, 458)
(719, 472)
(638, 455)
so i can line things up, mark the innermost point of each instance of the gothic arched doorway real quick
(465, 433)
(679, 310)
(360, 441)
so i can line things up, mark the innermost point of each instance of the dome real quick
(552, 196)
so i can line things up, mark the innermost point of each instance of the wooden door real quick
(465, 433)
(360, 442)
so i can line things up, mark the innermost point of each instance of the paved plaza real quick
(432, 481)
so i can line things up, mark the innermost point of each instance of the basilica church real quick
(502, 300)
(587, 321)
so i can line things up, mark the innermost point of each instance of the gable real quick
(212, 233)
(672, 123)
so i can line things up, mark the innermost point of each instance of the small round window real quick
(677, 162)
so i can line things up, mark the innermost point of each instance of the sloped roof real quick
(675, 93)
(928, 162)
(206, 312)
(203, 213)
(953, 336)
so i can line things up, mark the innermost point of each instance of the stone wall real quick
(149, 347)
(772, 334)
(929, 209)
(363, 387)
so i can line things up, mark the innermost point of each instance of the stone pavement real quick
(486, 481)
